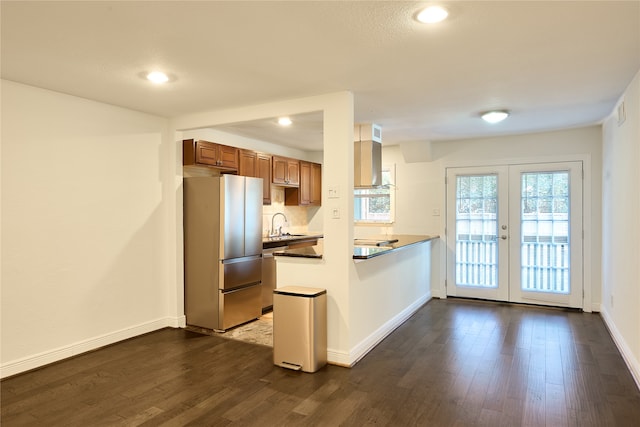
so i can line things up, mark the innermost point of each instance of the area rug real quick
(259, 331)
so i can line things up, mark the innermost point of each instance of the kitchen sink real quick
(286, 236)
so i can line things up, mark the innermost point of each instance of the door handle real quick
(503, 237)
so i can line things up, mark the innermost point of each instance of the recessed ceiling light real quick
(284, 121)
(494, 116)
(157, 77)
(432, 15)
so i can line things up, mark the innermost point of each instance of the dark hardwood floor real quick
(454, 363)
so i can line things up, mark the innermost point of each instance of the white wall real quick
(421, 188)
(86, 255)
(621, 227)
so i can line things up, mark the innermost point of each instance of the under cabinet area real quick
(309, 191)
(209, 154)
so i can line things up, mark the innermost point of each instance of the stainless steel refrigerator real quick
(222, 250)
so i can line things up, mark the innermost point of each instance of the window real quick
(376, 205)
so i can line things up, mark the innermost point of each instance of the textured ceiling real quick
(555, 64)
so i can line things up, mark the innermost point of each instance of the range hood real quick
(367, 154)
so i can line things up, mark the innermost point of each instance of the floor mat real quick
(259, 331)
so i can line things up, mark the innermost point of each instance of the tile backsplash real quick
(297, 221)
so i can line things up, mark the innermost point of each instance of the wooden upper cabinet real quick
(286, 171)
(248, 164)
(257, 165)
(316, 184)
(293, 172)
(209, 154)
(264, 171)
(302, 180)
(305, 183)
(309, 192)
(228, 156)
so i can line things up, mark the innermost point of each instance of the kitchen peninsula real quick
(386, 285)
(363, 248)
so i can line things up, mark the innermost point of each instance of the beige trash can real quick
(300, 328)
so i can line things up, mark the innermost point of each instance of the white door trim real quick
(589, 304)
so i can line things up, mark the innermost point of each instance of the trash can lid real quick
(300, 291)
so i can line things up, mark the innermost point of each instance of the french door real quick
(514, 233)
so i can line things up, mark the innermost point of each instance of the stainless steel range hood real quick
(367, 154)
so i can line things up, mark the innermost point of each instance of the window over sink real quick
(376, 205)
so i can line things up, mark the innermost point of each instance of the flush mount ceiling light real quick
(494, 116)
(432, 15)
(284, 121)
(157, 77)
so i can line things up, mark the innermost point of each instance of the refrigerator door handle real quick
(237, 260)
(244, 288)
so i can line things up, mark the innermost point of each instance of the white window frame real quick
(391, 169)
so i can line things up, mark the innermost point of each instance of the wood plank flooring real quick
(454, 363)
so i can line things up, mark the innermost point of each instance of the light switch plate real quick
(335, 213)
(334, 193)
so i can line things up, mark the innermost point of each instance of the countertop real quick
(362, 252)
(286, 239)
(306, 252)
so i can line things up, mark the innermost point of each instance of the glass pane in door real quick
(477, 231)
(544, 242)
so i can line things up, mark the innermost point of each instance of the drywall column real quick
(620, 226)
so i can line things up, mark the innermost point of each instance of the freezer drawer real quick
(239, 306)
(240, 272)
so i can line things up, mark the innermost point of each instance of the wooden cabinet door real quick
(293, 172)
(206, 153)
(209, 154)
(228, 157)
(316, 184)
(286, 171)
(263, 170)
(309, 191)
(279, 175)
(248, 165)
(305, 184)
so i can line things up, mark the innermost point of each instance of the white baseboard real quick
(339, 358)
(618, 339)
(37, 360)
(366, 345)
(438, 293)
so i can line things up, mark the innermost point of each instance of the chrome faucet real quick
(273, 228)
